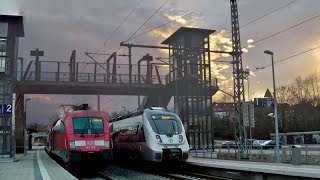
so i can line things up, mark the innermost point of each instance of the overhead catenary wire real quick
(285, 59)
(284, 30)
(160, 26)
(116, 29)
(133, 37)
(148, 19)
(137, 29)
(144, 23)
(258, 18)
(269, 13)
(124, 20)
(279, 32)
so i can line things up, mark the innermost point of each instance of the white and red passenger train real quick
(153, 134)
(82, 134)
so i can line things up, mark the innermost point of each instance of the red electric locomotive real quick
(82, 134)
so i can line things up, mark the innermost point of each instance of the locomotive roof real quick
(87, 112)
(77, 113)
(148, 111)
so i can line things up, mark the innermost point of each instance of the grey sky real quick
(59, 26)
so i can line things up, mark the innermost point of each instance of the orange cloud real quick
(250, 41)
(250, 46)
(178, 19)
(244, 50)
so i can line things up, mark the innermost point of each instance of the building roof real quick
(18, 19)
(183, 30)
(268, 93)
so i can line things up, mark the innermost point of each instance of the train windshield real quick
(87, 125)
(165, 124)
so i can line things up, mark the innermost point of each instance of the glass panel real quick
(87, 125)
(62, 128)
(3, 29)
(165, 124)
(2, 65)
(96, 124)
(3, 46)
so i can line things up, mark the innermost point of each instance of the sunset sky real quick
(59, 26)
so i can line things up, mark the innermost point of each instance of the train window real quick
(62, 128)
(165, 124)
(87, 125)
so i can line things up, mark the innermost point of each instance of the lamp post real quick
(275, 108)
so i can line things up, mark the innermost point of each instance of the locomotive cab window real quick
(87, 125)
(165, 124)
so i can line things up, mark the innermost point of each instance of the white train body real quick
(152, 135)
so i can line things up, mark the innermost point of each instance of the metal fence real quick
(95, 78)
(310, 153)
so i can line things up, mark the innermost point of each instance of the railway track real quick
(170, 172)
(106, 176)
(136, 171)
(189, 176)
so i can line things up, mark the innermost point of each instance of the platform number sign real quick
(263, 102)
(5, 109)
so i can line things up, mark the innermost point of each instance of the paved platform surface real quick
(35, 165)
(269, 168)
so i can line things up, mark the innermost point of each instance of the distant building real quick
(222, 110)
(39, 139)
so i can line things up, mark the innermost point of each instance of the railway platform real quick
(36, 164)
(258, 170)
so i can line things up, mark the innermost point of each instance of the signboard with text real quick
(5, 109)
(248, 114)
(263, 102)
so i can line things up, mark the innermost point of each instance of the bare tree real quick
(304, 97)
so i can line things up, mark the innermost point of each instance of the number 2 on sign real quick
(9, 108)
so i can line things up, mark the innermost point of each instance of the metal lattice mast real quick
(238, 86)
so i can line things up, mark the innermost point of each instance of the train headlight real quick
(72, 145)
(158, 138)
(180, 138)
(107, 144)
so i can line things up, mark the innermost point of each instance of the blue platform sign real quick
(263, 102)
(5, 109)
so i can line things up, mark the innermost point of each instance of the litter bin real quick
(296, 155)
